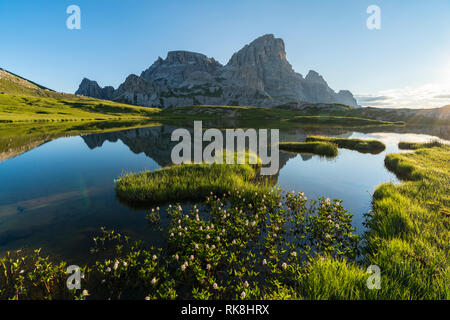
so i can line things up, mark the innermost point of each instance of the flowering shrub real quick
(236, 245)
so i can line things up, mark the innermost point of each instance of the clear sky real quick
(406, 63)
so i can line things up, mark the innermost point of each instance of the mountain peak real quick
(315, 77)
(257, 75)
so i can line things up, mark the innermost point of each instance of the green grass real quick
(409, 236)
(15, 108)
(414, 146)
(341, 120)
(188, 182)
(319, 148)
(364, 146)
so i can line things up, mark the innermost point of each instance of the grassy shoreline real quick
(409, 228)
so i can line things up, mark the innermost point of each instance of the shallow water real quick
(58, 195)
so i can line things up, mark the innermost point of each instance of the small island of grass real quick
(189, 182)
(364, 146)
(414, 145)
(320, 148)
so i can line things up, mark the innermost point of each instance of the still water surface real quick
(58, 195)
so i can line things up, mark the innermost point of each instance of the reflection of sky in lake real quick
(57, 196)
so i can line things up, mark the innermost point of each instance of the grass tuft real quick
(189, 182)
(364, 146)
(320, 148)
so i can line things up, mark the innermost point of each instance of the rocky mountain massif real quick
(257, 75)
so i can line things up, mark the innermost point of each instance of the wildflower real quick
(179, 233)
(215, 286)
(157, 208)
(337, 226)
(196, 246)
(171, 235)
(116, 265)
(197, 217)
(246, 285)
(208, 267)
(147, 298)
(154, 281)
(284, 265)
(328, 236)
(294, 254)
(191, 258)
(243, 295)
(154, 257)
(125, 264)
(207, 236)
(21, 271)
(183, 267)
(177, 257)
(213, 247)
(85, 293)
(103, 281)
(218, 239)
(246, 223)
(253, 223)
(170, 206)
(264, 262)
(108, 269)
(234, 241)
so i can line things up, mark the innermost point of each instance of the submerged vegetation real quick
(320, 148)
(364, 146)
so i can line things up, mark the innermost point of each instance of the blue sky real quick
(406, 63)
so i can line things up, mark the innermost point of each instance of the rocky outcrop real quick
(257, 75)
(91, 88)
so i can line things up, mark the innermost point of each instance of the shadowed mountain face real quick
(257, 75)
